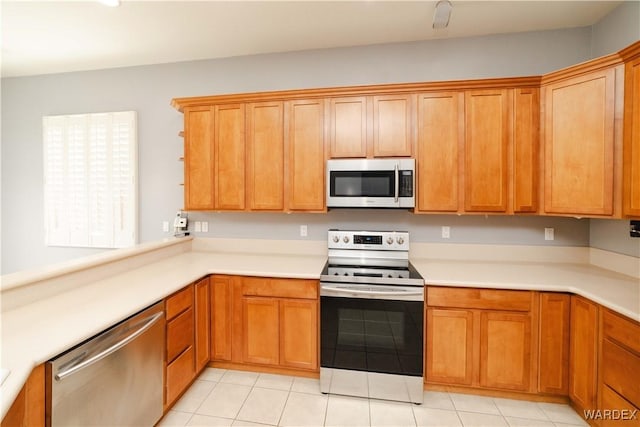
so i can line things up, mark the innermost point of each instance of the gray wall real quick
(617, 30)
(613, 235)
(149, 89)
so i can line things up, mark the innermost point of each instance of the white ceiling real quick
(41, 37)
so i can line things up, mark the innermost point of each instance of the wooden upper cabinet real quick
(348, 127)
(198, 159)
(439, 151)
(526, 131)
(631, 156)
(229, 136)
(579, 144)
(265, 156)
(305, 136)
(487, 142)
(393, 125)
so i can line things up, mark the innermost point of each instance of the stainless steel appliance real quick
(113, 379)
(371, 183)
(371, 307)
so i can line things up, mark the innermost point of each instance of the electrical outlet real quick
(303, 231)
(165, 226)
(198, 227)
(205, 226)
(548, 234)
(446, 232)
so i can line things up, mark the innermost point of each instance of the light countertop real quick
(38, 331)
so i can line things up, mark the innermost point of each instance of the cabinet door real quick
(180, 334)
(631, 152)
(179, 374)
(393, 125)
(449, 346)
(439, 150)
(613, 401)
(221, 317)
(265, 146)
(505, 350)
(229, 134)
(260, 331)
(553, 375)
(306, 154)
(202, 324)
(583, 352)
(487, 141)
(579, 144)
(198, 159)
(348, 127)
(28, 408)
(299, 334)
(526, 131)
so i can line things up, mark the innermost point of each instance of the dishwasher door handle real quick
(112, 349)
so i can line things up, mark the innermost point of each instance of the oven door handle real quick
(348, 291)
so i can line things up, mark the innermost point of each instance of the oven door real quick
(372, 328)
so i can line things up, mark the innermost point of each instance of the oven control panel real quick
(371, 240)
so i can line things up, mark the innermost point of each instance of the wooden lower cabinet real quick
(449, 349)
(265, 321)
(202, 323)
(260, 331)
(481, 338)
(298, 334)
(221, 293)
(505, 350)
(28, 409)
(583, 352)
(553, 375)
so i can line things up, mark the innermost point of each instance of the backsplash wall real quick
(507, 230)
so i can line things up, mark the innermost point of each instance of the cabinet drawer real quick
(179, 302)
(179, 374)
(179, 334)
(621, 330)
(621, 370)
(488, 299)
(612, 401)
(281, 288)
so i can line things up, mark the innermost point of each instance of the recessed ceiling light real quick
(110, 3)
(442, 14)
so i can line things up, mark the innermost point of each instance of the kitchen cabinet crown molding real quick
(384, 89)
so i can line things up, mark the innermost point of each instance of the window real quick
(90, 180)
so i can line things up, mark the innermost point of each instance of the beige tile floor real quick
(233, 398)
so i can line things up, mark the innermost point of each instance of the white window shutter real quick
(90, 179)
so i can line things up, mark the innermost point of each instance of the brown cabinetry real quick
(187, 352)
(583, 352)
(631, 156)
(229, 152)
(265, 156)
(28, 409)
(371, 126)
(579, 144)
(481, 338)
(526, 142)
(280, 322)
(553, 377)
(619, 387)
(198, 159)
(487, 144)
(221, 292)
(304, 142)
(439, 151)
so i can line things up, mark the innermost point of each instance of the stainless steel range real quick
(371, 305)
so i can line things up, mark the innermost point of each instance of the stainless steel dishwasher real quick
(113, 379)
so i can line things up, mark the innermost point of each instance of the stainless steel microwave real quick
(371, 183)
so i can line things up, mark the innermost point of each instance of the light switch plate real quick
(165, 226)
(446, 232)
(303, 231)
(205, 226)
(198, 227)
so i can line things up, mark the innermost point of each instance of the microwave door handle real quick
(397, 184)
